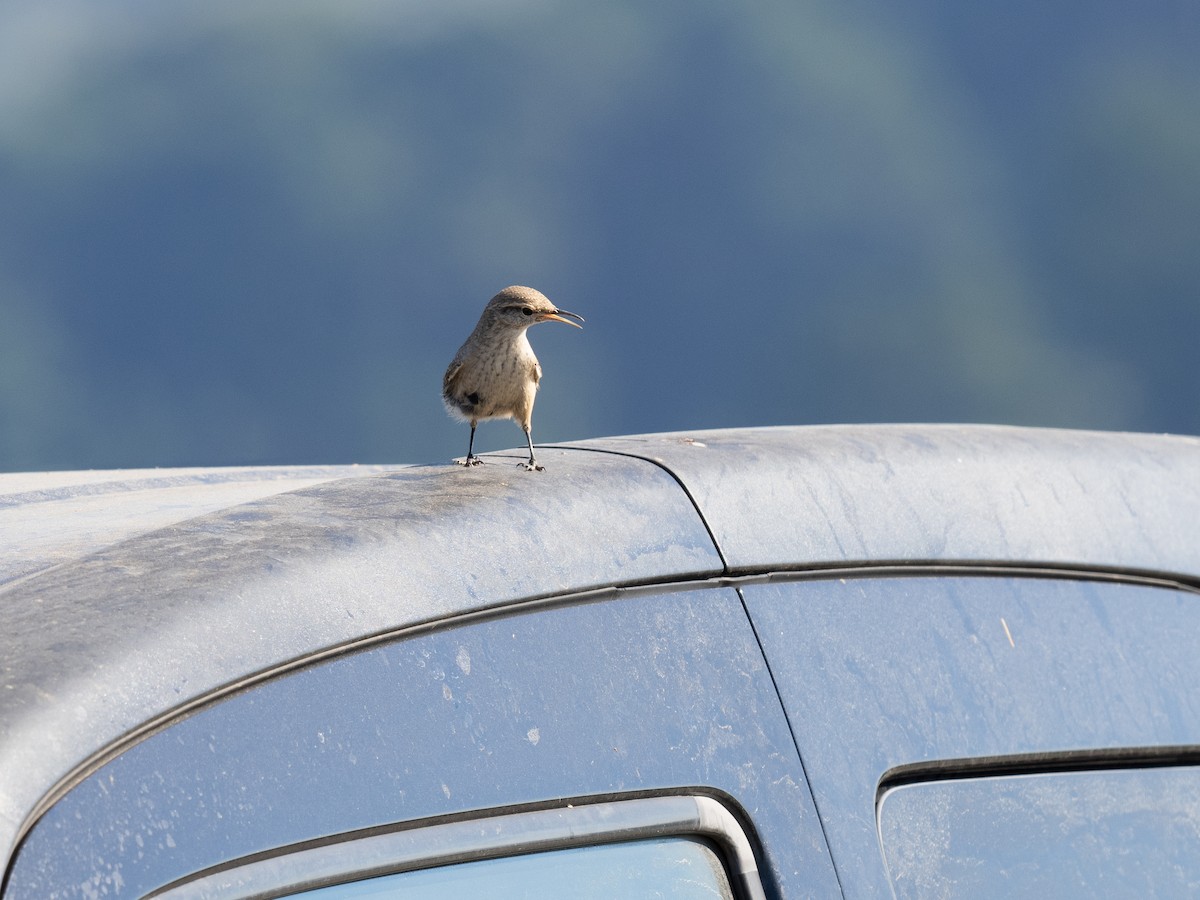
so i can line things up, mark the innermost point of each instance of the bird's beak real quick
(558, 314)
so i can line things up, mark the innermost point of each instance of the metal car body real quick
(856, 661)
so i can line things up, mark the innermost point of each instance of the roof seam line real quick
(679, 481)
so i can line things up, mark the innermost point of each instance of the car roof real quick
(48, 518)
(129, 597)
(869, 494)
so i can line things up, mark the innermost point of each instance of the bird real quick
(494, 374)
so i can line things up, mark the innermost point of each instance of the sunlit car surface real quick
(866, 661)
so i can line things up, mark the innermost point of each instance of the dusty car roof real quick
(47, 518)
(167, 587)
(828, 496)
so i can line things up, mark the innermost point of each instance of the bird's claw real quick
(470, 461)
(532, 466)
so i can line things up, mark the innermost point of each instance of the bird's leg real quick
(532, 465)
(472, 459)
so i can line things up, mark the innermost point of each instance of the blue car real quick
(864, 661)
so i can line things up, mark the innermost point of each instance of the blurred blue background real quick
(257, 232)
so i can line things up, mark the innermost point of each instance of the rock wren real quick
(494, 374)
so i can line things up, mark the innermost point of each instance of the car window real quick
(671, 868)
(677, 846)
(1116, 833)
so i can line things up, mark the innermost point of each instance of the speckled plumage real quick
(495, 373)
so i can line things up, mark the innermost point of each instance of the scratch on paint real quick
(1007, 633)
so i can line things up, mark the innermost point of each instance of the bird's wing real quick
(451, 376)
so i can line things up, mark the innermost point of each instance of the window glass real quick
(670, 868)
(1117, 833)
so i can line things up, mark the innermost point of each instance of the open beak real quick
(557, 316)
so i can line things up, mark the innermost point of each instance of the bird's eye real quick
(527, 311)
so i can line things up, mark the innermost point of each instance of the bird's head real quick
(520, 307)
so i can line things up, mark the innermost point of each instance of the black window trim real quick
(1092, 759)
(485, 836)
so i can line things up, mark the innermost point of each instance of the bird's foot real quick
(470, 461)
(532, 466)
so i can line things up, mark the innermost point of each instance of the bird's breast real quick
(494, 381)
